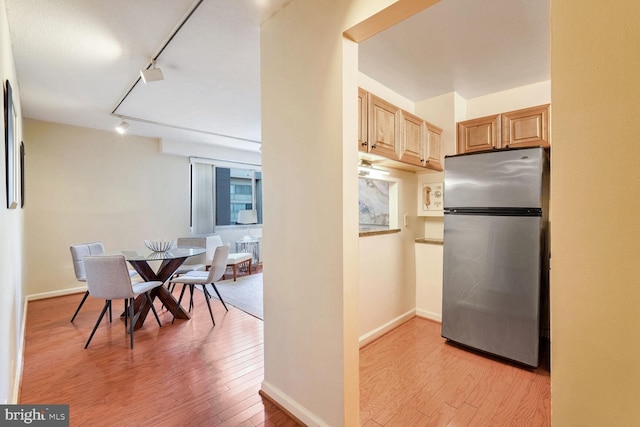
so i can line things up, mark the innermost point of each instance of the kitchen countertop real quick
(429, 241)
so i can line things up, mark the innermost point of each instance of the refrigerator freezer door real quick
(491, 292)
(498, 179)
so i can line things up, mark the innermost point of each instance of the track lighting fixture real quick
(152, 74)
(122, 127)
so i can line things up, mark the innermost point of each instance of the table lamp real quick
(247, 216)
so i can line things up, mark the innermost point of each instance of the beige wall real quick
(595, 274)
(11, 230)
(87, 185)
(387, 268)
(309, 124)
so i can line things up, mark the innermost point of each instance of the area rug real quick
(244, 294)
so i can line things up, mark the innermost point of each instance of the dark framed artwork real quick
(22, 174)
(11, 148)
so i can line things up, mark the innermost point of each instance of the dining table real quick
(169, 260)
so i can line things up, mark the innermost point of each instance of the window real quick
(218, 193)
(377, 204)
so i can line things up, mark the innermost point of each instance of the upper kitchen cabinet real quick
(398, 135)
(526, 128)
(479, 134)
(434, 147)
(420, 142)
(383, 126)
(413, 139)
(362, 120)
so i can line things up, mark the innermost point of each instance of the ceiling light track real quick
(153, 60)
(151, 122)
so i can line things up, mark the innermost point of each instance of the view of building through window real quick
(219, 193)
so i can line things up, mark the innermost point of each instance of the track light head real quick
(122, 127)
(152, 74)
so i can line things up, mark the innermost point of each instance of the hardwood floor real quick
(413, 377)
(184, 374)
(192, 374)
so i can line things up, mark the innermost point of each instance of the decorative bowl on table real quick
(159, 245)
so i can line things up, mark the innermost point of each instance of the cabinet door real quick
(383, 127)
(479, 134)
(526, 128)
(413, 139)
(362, 120)
(434, 147)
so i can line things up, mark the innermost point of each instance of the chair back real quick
(219, 263)
(108, 277)
(80, 251)
(212, 244)
(194, 242)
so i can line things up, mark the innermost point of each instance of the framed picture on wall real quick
(22, 174)
(11, 148)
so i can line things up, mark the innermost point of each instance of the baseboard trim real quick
(59, 293)
(291, 407)
(387, 327)
(429, 315)
(17, 380)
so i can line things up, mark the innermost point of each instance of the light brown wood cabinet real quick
(434, 147)
(528, 127)
(479, 134)
(383, 134)
(420, 142)
(390, 132)
(413, 138)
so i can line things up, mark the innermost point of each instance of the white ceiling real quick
(77, 59)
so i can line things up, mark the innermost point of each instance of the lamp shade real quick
(248, 216)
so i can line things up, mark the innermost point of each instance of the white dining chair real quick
(80, 251)
(205, 278)
(108, 278)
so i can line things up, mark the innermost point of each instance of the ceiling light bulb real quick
(122, 127)
(152, 74)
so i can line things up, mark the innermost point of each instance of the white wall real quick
(509, 100)
(309, 134)
(87, 185)
(429, 280)
(381, 91)
(11, 249)
(387, 268)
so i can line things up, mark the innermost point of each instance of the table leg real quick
(166, 270)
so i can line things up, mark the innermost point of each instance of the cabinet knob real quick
(374, 146)
(364, 144)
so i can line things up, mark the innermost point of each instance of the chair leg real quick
(250, 261)
(207, 298)
(126, 313)
(220, 297)
(191, 288)
(234, 272)
(132, 323)
(84, 298)
(153, 308)
(107, 304)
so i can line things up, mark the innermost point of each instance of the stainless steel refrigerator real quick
(495, 278)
